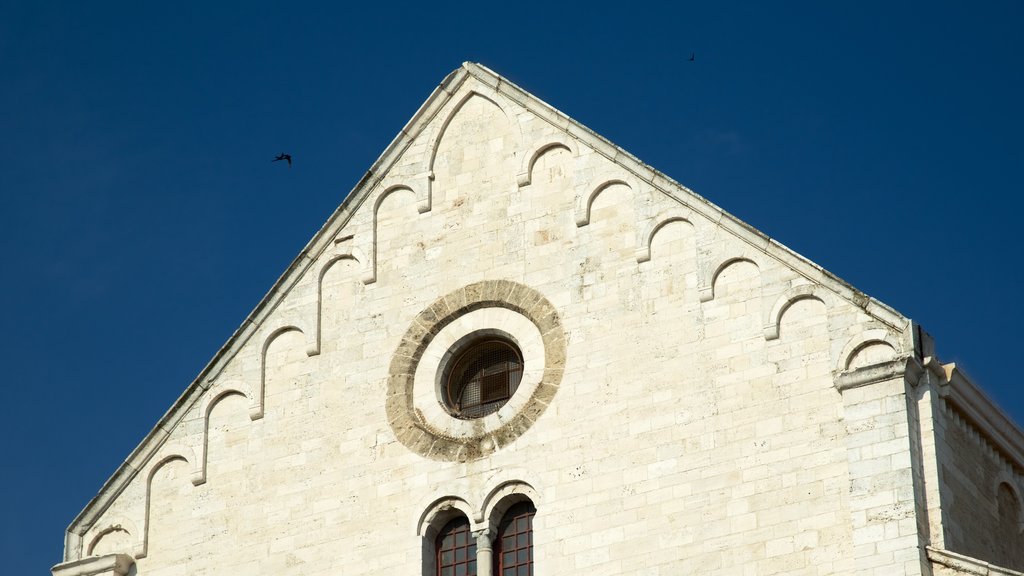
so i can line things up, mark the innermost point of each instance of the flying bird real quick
(692, 57)
(283, 156)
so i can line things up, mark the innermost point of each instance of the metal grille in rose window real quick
(487, 376)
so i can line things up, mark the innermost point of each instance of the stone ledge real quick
(969, 399)
(876, 373)
(109, 565)
(968, 565)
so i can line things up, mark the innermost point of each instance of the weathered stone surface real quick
(404, 365)
(721, 406)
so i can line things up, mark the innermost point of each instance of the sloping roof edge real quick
(152, 442)
(982, 412)
(360, 192)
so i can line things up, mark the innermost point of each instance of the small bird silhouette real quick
(283, 156)
(692, 57)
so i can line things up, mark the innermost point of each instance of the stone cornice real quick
(109, 565)
(953, 386)
(967, 565)
(322, 240)
(907, 367)
(977, 408)
(688, 198)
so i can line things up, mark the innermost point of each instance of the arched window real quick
(1009, 543)
(455, 549)
(514, 542)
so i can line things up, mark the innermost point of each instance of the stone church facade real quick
(516, 349)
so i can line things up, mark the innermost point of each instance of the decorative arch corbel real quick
(172, 453)
(708, 274)
(258, 399)
(114, 524)
(773, 316)
(345, 251)
(645, 234)
(861, 341)
(212, 397)
(585, 201)
(525, 177)
(370, 274)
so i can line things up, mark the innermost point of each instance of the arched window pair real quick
(455, 548)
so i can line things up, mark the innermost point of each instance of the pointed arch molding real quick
(408, 423)
(480, 91)
(422, 185)
(525, 177)
(171, 453)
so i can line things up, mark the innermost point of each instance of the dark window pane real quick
(515, 540)
(455, 549)
(494, 387)
(483, 378)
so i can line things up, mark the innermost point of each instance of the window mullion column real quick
(484, 552)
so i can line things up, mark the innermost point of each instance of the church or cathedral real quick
(515, 349)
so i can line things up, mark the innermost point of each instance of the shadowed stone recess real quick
(410, 428)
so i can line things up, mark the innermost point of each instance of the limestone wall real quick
(694, 424)
(980, 493)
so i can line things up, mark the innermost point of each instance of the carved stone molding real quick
(109, 565)
(967, 565)
(409, 425)
(905, 366)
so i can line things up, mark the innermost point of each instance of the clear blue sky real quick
(142, 218)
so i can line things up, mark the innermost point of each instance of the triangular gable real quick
(423, 133)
